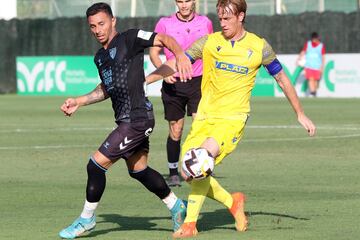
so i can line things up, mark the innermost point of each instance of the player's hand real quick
(307, 124)
(170, 80)
(184, 67)
(69, 106)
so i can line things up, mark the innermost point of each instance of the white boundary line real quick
(29, 130)
(301, 139)
(38, 147)
(46, 147)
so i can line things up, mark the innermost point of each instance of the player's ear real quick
(113, 22)
(241, 16)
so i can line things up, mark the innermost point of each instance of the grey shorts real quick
(127, 139)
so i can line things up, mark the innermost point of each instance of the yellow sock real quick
(199, 189)
(218, 193)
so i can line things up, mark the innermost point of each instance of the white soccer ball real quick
(301, 62)
(198, 163)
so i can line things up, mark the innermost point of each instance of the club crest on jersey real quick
(231, 67)
(112, 52)
(250, 52)
(218, 48)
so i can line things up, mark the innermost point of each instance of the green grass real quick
(297, 187)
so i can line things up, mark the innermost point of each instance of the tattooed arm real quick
(71, 105)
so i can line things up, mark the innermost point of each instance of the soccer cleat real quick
(178, 213)
(186, 230)
(174, 181)
(237, 210)
(78, 227)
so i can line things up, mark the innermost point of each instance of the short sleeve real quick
(137, 39)
(209, 26)
(160, 26)
(196, 49)
(268, 54)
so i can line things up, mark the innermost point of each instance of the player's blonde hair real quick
(235, 6)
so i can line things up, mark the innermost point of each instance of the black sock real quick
(96, 182)
(173, 153)
(153, 181)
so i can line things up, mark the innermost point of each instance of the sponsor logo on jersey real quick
(144, 35)
(231, 67)
(107, 78)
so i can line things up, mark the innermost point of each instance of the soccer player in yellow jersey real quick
(231, 59)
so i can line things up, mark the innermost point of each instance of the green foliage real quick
(297, 187)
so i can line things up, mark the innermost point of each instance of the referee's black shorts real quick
(181, 98)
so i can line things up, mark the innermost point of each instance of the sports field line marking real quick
(245, 141)
(302, 138)
(46, 147)
(30, 130)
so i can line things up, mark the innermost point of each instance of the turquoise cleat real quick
(78, 227)
(178, 213)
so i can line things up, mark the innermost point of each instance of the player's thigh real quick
(102, 160)
(138, 161)
(227, 134)
(176, 128)
(197, 135)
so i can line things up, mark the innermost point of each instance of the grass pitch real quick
(297, 187)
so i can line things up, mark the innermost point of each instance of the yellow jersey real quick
(229, 71)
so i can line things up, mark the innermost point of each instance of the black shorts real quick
(127, 139)
(180, 97)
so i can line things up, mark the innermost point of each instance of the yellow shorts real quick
(226, 132)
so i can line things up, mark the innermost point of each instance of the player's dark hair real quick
(99, 7)
(314, 35)
(238, 6)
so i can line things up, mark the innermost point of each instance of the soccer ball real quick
(198, 163)
(301, 62)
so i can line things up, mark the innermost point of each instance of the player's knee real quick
(94, 167)
(175, 134)
(137, 174)
(176, 131)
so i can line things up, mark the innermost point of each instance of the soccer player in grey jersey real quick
(120, 64)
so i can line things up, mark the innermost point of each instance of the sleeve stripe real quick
(190, 58)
